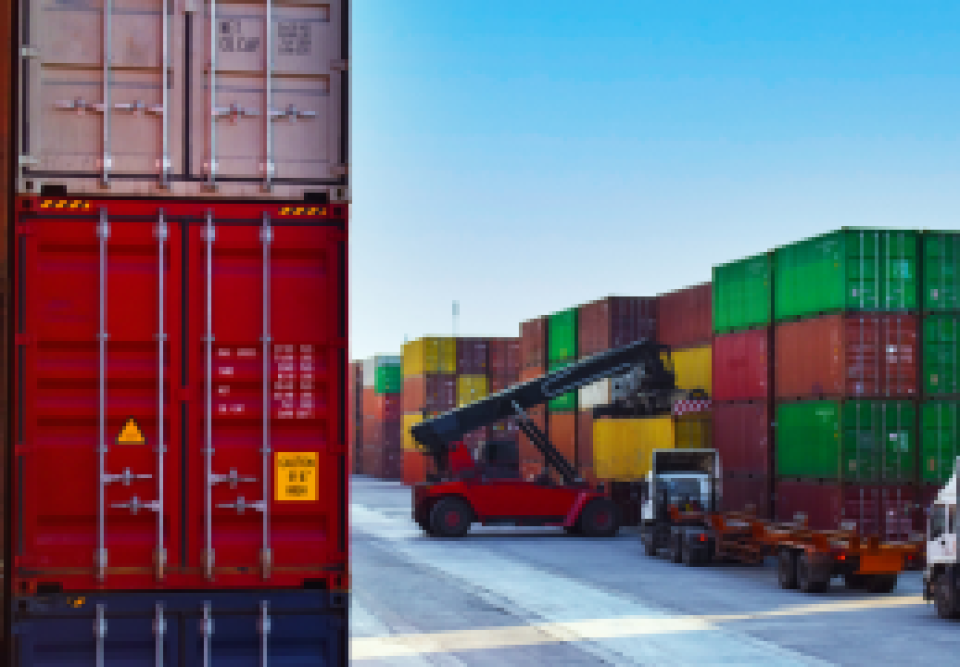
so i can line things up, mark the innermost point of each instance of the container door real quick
(268, 339)
(275, 93)
(96, 473)
(97, 637)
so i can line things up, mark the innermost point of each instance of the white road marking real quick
(619, 630)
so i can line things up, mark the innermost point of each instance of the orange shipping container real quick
(563, 434)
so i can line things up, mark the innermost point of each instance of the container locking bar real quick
(107, 160)
(160, 555)
(103, 232)
(100, 633)
(263, 629)
(208, 555)
(206, 631)
(159, 634)
(266, 555)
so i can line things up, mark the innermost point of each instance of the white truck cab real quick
(940, 578)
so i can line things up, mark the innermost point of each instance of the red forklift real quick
(488, 489)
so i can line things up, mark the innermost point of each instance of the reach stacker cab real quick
(941, 578)
(466, 491)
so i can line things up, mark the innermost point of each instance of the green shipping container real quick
(850, 269)
(941, 271)
(562, 336)
(941, 354)
(388, 379)
(938, 440)
(866, 442)
(566, 402)
(741, 294)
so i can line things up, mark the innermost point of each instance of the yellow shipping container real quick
(429, 355)
(694, 431)
(471, 388)
(408, 422)
(621, 447)
(694, 368)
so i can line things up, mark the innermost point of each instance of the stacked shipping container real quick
(742, 362)
(170, 226)
(846, 379)
(381, 444)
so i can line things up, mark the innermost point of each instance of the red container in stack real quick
(615, 321)
(742, 366)
(685, 317)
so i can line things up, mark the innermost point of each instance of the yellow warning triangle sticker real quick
(131, 435)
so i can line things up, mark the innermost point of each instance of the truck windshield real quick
(683, 490)
(938, 521)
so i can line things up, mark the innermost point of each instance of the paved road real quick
(506, 597)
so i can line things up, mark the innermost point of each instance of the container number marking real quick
(296, 476)
(131, 434)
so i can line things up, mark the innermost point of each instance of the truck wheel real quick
(855, 582)
(805, 579)
(882, 583)
(599, 519)
(945, 596)
(650, 547)
(450, 517)
(787, 569)
(676, 548)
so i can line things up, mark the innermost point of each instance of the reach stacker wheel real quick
(451, 517)
(599, 519)
(787, 569)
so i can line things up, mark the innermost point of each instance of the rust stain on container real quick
(864, 355)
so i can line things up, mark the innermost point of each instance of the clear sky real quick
(525, 156)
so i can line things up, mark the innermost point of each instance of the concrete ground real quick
(507, 596)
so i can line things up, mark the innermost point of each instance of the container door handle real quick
(160, 556)
(106, 160)
(206, 631)
(159, 633)
(209, 236)
(263, 629)
(103, 232)
(100, 633)
(241, 505)
(212, 81)
(232, 479)
(266, 555)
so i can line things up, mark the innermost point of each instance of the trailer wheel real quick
(855, 582)
(676, 549)
(945, 597)
(450, 517)
(787, 569)
(599, 519)
(882, 583)
(805, 579)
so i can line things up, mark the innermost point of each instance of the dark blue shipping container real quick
(292, 628)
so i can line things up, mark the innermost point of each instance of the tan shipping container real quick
(201, 100)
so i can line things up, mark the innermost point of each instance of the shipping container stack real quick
(183, 348)
(533, 364)
(940, 366)
(504, 371)
(742, 399)
(381, 451)
(429, 369)
(846, 353)
(562, 350)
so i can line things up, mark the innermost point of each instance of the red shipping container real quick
(498, 383)
(533, 343)
(472, 356)
(742, 435)
(838, 356)
(739, 491)
(435, 391)
(96, 278)
(504, 354)
(528, 452)
(615, 321)
(741, 366)
(392, 465)
(416, 466)
(585, 440)
(926, 497)
(372, 461)
(388, 407)
(685, 317)
(368, 399)
(877, 511)
(563, 434)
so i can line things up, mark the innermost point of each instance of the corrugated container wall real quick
(533, 343)
(875, 511)
(685, 317)
(860, 441)
(862, 355)
(849, 269)
(941, 354)
(274, 355)
(621, 447)
(741, 435)
(941, 271)
(742, 365)
(565, 402)
(562, 336)
(279, 121)
(939, 440)
(389, 379)
(739, 492)
(429, 355)
(742, 296)
(505, 357)
(472, 356)
(434, 392)
(693, 368)
(613, 322)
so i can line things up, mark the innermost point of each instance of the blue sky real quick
(526, 156)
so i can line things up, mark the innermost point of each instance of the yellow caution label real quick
(296, 476)
(131, 434)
